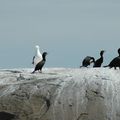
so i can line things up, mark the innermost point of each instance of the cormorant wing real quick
(115, 61)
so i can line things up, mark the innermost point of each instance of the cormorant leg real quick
(40, 71)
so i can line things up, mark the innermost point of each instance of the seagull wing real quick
(33, 60)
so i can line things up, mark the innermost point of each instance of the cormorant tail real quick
(81, 66)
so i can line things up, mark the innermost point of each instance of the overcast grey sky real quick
(68, 30)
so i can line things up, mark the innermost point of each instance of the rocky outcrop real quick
(60, 94)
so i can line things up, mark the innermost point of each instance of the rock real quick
(60, 94)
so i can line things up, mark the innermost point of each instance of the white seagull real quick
(38, 56)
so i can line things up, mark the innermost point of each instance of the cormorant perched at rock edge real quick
(87, 61)
(99, 61)
(115, 62)
(38, 56)
(40, 65)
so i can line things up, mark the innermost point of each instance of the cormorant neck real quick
(101, 54)
(44, 57)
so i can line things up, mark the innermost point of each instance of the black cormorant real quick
(115, 62)
(87, 61)
(99, 61)
(40, 65)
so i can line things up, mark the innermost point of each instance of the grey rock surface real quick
(60, 94)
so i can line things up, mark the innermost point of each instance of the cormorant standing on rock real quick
(99, 61)
(87, 61)
(40, 65)
(115, 62)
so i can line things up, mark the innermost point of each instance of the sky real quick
(69, 30)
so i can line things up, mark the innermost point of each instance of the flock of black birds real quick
(97, 63)
(40, 59)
